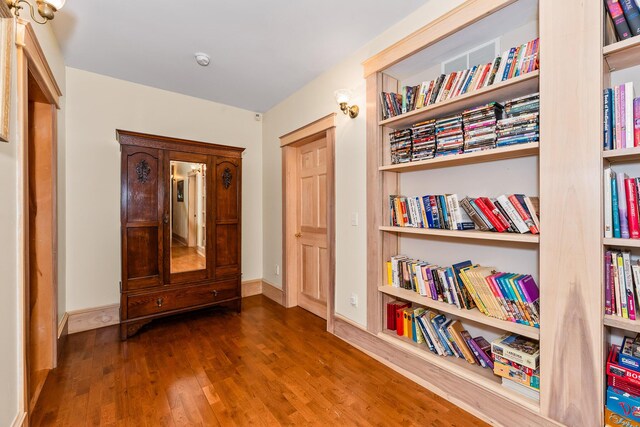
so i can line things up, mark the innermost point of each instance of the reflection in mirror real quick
(188, 214)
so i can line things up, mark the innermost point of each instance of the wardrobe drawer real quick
(184, 297)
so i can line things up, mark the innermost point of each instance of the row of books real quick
(443, 336)
(505, 296)
(480, 128)
(621, 117)
(517, 360)
(625, 17)
(512, 63)
(621, 218)
(515, 213)
(621, 284)
(623, 384)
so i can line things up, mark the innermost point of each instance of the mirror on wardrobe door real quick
(188, 216)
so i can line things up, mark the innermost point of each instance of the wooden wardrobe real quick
(180, 227)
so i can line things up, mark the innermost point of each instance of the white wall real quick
(98, 105)
(313, 101)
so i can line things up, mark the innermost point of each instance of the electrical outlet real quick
(277, 269)
(353, 300)
(354, 219)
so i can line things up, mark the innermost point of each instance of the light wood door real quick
(313, 257)
(191, 240)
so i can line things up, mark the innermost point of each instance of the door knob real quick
(298, 234)
(166, 218)
(214, 292)
(159, 302)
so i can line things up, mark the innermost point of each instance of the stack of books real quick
(621, 117)
(623, 384)
(401, 146)
(624, 18)
(424, 140)
(621, 218)
(480, 127)
(449, 135)
(512, 63)
(521, 121)
(515, 213)
(517, 360)
(505, 296)
(621, 279)
(443, 336)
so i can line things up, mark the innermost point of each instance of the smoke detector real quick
(202, 59)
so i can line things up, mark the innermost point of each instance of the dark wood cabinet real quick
(180, 227)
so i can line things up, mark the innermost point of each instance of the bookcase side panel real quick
(570, 246)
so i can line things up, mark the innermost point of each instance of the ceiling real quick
(261, 51)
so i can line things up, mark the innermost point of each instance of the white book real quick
(521, 57)
(453, 223)
(628, 109)
(421, 285)
(411, 202)
(616, 282)
(442, 88)
(622, 286)
(608, 218)
(503, 64)
(513, 214)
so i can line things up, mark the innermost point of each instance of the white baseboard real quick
(251, 287)
(272, 292)
(19, 420)
(63, 326)
(93, 318)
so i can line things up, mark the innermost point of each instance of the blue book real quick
(482, 215)
(443, 208)
(428, 212)
(468, 301)
(509, 63)
(474, 69)
(632, 15)
(608, 119)
(622, 205)
(438, 321)
(614, 206)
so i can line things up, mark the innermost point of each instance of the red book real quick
(483, 76)
(400, 322)
(632, 208)
(524, 214)
(636, 122)
(489, 214)
(405, 215)
(392, 308)
(504, 221)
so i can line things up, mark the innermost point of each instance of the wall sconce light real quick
(342, 98)
(46, 8)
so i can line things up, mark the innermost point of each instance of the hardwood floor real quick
(185, 258)
(265, 366)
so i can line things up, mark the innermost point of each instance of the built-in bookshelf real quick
(562, 169)
(621, 64)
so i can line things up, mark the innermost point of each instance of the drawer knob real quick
(159, 302)
(215, 293)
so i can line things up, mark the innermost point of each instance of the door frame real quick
(322, 128)
(32, 61)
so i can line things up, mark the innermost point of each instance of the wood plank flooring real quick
(267, 366)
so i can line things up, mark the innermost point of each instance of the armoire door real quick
(143, 218)
(227, 220)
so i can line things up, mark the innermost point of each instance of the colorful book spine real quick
(628, 114)
(619, 22)
(608, 119)
(607, 283)
(636, 122)
(615, 212)
(622, 205)
(632, 15)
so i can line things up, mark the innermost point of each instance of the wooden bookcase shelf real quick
(515, 87)
(621, 243)
(460, 367)
(466, 234)
(622, 323)
(471, 315)
(622, 155)
(623, 54)
(502, 153)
